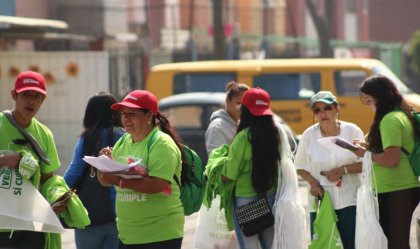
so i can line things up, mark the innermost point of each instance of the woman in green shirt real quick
(392, 129)
(149, 210)
(252, 161)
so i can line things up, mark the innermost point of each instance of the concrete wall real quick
(72, 78)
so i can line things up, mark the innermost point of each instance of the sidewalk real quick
(190, 222)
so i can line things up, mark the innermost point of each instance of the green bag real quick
(414, 156)
(192, 183)
(326, 234)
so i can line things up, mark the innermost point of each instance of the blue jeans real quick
(264, 238)
(346, 225)
(97, 237)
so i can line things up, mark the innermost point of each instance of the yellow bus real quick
(290, 82)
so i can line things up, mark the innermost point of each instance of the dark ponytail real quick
(164, 125)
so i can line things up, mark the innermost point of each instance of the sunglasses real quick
(324, 109)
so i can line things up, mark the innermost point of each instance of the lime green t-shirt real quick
(238, 166)
(396, 130)
(41, 133)
(146, 218)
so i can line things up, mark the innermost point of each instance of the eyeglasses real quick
(323, 109)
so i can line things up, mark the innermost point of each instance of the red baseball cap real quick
(257, 101)
(30, 81)
(138, 99)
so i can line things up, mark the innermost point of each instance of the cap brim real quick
(36, 89)
(326, 101)
(262, 112)
(119, 106)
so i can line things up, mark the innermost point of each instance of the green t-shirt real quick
(239, 165)
(396, 130)
(41, 133)
(146, 218)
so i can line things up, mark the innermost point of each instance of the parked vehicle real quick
(290, 82)
(190, 113)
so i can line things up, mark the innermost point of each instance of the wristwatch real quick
(345, 170)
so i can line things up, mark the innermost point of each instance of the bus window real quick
(204, 82)
(347, 81)
(185, 116)
(289, 86)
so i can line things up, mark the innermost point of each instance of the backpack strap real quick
(405, 151)
(35, 145)
(149, 144)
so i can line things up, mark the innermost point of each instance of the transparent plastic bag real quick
(369, 233)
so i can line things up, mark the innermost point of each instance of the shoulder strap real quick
(35, 145)
(149, 144)
(152, 140)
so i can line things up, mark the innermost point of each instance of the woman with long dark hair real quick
(149, 209)
(393, 130)
(102, 127)
(253, 160)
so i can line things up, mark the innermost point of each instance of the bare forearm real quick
(307, 176)
(354, 168)
(389, 158)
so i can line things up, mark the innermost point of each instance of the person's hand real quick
(107, 151)
(59, 206)
(360, 151)
(359, 143)
(11, 160)
(317, 190)
(334, 175)
(107, 179)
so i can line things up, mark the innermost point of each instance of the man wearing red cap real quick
(29, 92)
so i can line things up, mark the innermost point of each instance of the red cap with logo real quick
(138, 99)
(30, 81)
(257, 101)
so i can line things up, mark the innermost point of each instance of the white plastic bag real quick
(369, 233)
(22, 207)
(211, 231)
(288, 211)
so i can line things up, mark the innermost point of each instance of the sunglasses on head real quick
(323, 109)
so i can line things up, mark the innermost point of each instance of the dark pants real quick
(395, 213)
(346, 225)
(22, 240)
(167, 244)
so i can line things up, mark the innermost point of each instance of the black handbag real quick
(255, 216)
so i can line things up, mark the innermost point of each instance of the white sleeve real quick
(302, 160)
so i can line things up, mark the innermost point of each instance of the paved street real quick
(190, 222)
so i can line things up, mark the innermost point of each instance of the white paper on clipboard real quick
(106, 164)
(336, 144)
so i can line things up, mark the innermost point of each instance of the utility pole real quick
(218, 30)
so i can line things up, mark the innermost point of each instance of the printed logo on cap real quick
(29, 81)
(261, 102)
(131, 97)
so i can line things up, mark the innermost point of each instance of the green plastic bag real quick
(326, 235)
